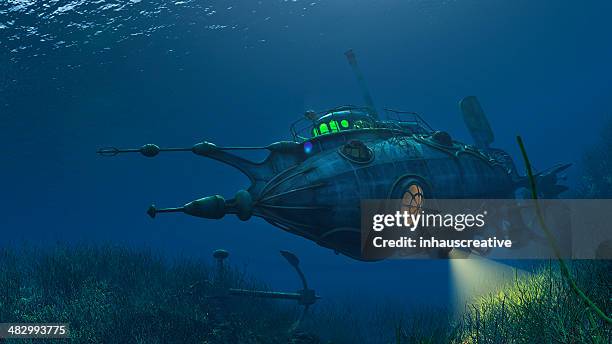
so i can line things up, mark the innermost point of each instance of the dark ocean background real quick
(79, 75)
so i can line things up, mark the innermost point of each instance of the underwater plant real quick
(111, 295)
(597, 167)
(541, 308)
(551, 240)
(118, 295)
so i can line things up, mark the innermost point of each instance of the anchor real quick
(305, 297)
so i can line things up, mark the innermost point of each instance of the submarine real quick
(312, 184)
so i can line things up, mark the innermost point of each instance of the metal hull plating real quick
(319, 198)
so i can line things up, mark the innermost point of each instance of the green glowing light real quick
(323, 129)
(334, 126)
(344, 123)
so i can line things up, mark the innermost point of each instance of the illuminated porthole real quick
(412, 200)
(323, 129)
(333, 125)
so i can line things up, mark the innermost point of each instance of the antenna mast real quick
(350, 55)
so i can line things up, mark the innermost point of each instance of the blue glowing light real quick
(307, 147)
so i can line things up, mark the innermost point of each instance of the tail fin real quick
(548, 181)
(476, 121)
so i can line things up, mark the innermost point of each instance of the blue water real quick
(78, 75)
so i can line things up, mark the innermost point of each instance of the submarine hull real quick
(320, 197)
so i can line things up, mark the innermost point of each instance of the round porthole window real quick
(412, 200)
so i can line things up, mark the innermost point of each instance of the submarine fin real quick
(548, 181)
(476, 121)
